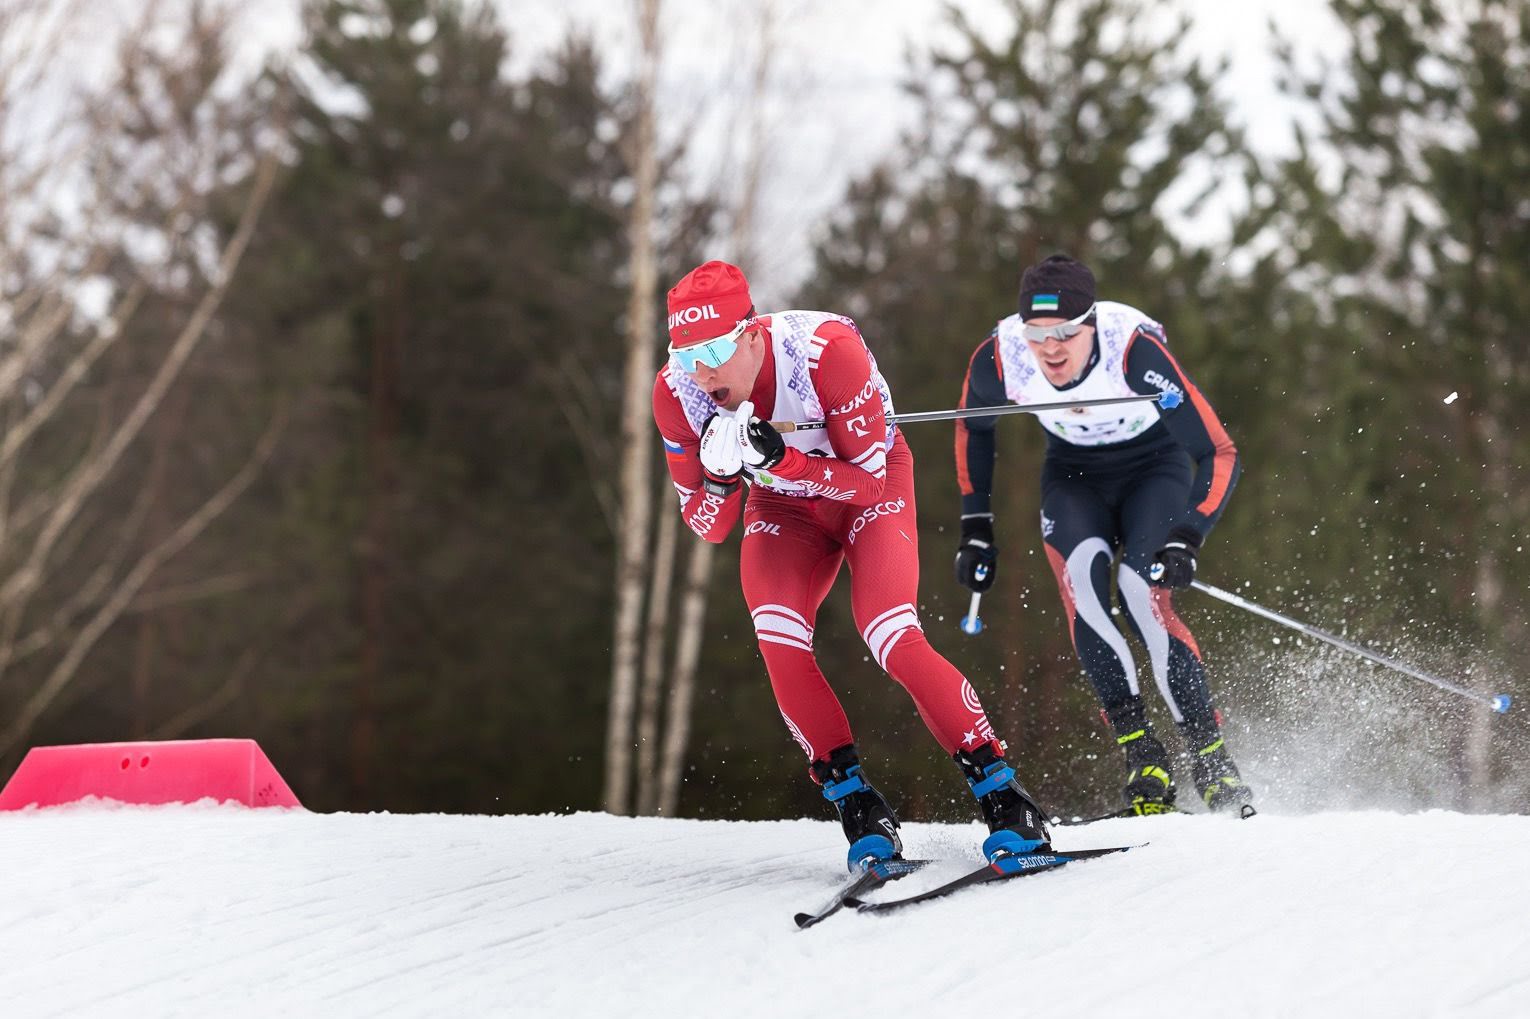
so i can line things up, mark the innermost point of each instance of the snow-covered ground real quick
(219, 911)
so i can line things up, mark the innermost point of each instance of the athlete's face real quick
(730, 384)
(1062, 360)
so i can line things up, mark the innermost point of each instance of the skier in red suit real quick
(818, 498)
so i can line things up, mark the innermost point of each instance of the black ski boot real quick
(868, 820)
(1216, 776)
(1017, 824)
(1149, 780)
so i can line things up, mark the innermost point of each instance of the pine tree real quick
(1410, 219)
(439, 287)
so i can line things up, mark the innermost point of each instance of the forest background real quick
(317, 379)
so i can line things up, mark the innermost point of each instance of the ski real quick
(876, 874)
(1002, 869)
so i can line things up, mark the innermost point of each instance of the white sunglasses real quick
(1062, 331)
(714, 352)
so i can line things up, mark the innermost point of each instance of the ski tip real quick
(802, 920)
(1501, 702)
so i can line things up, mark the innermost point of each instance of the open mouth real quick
(719, 396)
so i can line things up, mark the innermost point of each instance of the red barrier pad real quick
(169, 771)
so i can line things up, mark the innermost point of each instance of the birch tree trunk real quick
(653, 663)
(698, 579)
(677, 728)
(632, 556)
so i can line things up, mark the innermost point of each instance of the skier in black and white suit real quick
(1116, 481)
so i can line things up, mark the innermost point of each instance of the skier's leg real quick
(882, 550)
(788, 564)
(1153, 506)
(1078, 534)
(1079, 531)
(1149, 785)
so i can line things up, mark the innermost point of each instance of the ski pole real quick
(971, 624)
(1499, 702)
(1167, 400)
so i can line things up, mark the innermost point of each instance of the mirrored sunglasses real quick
(1062, 331)
(714, 352)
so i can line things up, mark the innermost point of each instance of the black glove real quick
(977, 557)
(765, 446)
(1174, 564)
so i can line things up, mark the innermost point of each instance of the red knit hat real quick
(707, 302)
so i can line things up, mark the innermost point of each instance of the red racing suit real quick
(843, 494)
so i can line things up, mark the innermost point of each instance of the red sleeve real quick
(857, 423)
(710, 516)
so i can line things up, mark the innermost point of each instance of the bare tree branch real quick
(123, 596)
(106, 334)
(12, 650)
(572, 382)
(94, 471)
(651, 693)
(180, 724)
(201, 590)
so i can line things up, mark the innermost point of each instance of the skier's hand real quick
(760, 445)
(720, 458)
(977, 557)
(1174, 564)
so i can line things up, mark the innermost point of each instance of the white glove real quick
(721, 457)
(760, 445)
